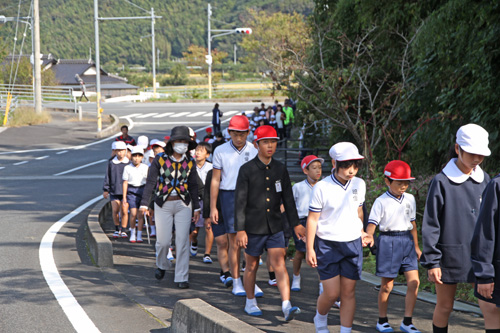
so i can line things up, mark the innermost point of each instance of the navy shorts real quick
(339, 258)
(219, 229)
(227, 207)
(257, 243)
(115, 197)
(299, 244)
(395, 254)
(134, 196)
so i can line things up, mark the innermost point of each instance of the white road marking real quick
(204, 128)
(161, 115)
(131, 115)
(42, 157)
(80, 167)
(146, 115)
(230, 113)
(173, 123)
(196, 114)
(73, 310)
(19, 163)
(61, 152)
(2, 168)
(180, 114)
(71, 177)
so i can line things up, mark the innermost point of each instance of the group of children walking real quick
(247, 192)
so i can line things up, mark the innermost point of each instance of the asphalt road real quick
(47, 171)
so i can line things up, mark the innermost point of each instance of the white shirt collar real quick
(117, 161)
(454, 174)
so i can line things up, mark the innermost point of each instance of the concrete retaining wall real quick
(99, 245)
(197, 316)
(111, 129)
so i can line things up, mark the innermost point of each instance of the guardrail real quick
(24, 94)
(221, 88)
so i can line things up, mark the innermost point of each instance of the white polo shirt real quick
(202, 172)
(228, 159)
(393, 214)
(302, 195)
(338, 205)
(136, 176)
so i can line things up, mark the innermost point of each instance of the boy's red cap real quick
(208, 130)
(265, 132)
(309, 159)
(239, 123)
(398, 170)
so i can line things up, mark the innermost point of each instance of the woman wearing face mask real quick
(172, 176)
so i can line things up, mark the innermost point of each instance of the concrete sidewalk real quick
(136, 264)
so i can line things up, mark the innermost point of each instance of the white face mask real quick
(180, 148)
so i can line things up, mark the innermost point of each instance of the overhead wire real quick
(22, 45)
(14, 49)
(133, 4)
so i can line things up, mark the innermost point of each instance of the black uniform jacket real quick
(260, 189)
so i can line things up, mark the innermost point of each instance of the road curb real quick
(197, 316)
(111, 129)
(99, 245)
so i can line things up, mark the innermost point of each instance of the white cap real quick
(262, 113)
(157, 142)
(142, 141)
(191, 132)
(119, 145)
(473, 139)
(137, 150)
(129, 147)
(345, 151)
(113, 145)
(150, 153)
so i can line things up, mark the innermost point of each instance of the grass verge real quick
(25, 116)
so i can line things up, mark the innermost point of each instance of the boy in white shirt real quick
(134, 180)
(335, 236)
(311, 166)
(394, 213)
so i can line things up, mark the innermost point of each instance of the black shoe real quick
(159, 273)
(184, 285)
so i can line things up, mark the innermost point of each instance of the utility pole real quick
(153, 56)
(235, 48)
(36, 62)
(98, 68)
(209, 58)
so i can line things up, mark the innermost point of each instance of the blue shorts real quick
(395, 254)
(257, 243)
(219, 229)
(299, 244)
(227, 207)
(134, 196)
(201, 221)
(339, 258)
(115, 197)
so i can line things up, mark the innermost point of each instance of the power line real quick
(133, 4)
(15, 42)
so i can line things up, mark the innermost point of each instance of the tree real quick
(195, 56)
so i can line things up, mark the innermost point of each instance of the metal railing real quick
(24, 94)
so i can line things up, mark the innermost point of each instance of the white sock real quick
(251, 302)
(286, 305)
(153, 229)
(344, 329)
(296, 276)
(321, 318)
(237, 281)
(139, 233)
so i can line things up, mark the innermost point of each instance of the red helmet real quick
(398, 170)
(309, 159)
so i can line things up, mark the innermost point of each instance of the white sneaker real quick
(408, 329)
(132, 236)
(253, 310)
(320, 288)
(296, 283)
(116, 234)
(139, 237)
(272, 282)
(193, 249)
(238, 289)
(337, 304)
(258, 292)
(384, 328)
(291, 312)
(320, 327)
(170, 256)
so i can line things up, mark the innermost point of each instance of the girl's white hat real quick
(473, 139)
(142, 141)
(345, 151)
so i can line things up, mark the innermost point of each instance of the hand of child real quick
(419, 252)
(105, 194)
(208, 223)
(435, 275)
(300, 232)
(311, 258)
(367, 239)
(486, 290)
(242, 239)
(282, 208)
(196, 216)
(214, 215)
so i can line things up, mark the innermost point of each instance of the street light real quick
(223, 32)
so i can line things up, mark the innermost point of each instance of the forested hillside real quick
(67, 29)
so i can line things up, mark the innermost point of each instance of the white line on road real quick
(2, 168)
(146, 115)
(180, 114)
(42, 157)
(22, 162)
(196, 114)
(161, 115)
(173, 123)
(131, 115)
(73, 310)
(230, 113)
(71, 177)
(80, 167)
(61, 152)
